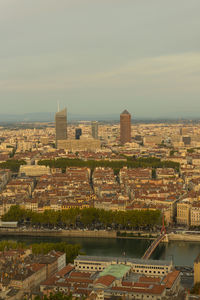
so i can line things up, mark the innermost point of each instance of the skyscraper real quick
(78, 133)
(95, 128)
(61, 125)
(125, 127)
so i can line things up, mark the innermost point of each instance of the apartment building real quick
(183, 212)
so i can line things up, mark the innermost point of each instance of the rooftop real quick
(62, 112)
(125, 112)
(106, 280)
(124, 260)
(117, 271)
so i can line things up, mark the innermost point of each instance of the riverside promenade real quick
(98, 234)
(60, 233)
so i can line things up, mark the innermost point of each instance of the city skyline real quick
(100, 149)
(65, 52)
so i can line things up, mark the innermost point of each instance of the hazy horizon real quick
(100, 57)
(50, 117)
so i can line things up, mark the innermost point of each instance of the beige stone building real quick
(85, 144)
(195, 214)
(34, 170)
(36, 273)
(171, 204)
(183, 212)
(152, 140)
(140, 266)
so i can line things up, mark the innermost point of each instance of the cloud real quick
(58, 71)
(181, 63)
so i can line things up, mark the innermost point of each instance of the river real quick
(182, 253)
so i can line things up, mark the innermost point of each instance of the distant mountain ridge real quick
(49, 117)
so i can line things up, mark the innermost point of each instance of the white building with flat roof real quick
(152, 268)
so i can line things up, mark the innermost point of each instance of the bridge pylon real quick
(163, 229)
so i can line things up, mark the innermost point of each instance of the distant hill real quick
(29, 117)
(49, 117)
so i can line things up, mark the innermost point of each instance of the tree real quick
(150, 162)
(56, 296)
(87, 217)
(12, 164)
(154, 173)
(15, 213)
(190, 150)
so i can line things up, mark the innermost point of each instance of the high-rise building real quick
(125, 127)
(95, 127)
(78, 133)
(61, 125)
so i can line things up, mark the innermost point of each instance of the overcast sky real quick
(100, 56)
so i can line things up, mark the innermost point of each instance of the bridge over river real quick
(153, 246)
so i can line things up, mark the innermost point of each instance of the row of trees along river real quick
(90, 217)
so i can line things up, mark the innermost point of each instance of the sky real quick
(100, 57)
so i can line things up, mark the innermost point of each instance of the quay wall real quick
(96, 234)
(61, 233)
(184, 237)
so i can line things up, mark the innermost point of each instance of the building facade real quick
(61, 125)
(94, 127)
(79, 145)
(148, 267)
(183, 213)
(78, 133)
(125, 127)
(195, 214)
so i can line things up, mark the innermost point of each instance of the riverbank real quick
(184, 237)
(60, 233)
(98, 234)
(79, 233)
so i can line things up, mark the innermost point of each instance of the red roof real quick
(80, 274)
(155, 290)
(65, 270)
(106, 280)
(171, 278)
(36, 267)
(149, 279)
